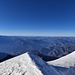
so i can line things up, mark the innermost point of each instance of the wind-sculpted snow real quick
(66, 61)
(26, 64)
(65, 65)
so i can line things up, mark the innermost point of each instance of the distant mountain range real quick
(55, 52)
(45, 47)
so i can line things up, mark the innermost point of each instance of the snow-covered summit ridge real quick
(66, 61)
(26, 64)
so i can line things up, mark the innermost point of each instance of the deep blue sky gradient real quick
(37, 17)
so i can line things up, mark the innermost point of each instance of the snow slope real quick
(66, 61)
(65, 65)
(26, 64)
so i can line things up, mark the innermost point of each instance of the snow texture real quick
(26, 64)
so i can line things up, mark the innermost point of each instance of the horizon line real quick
(37, 36)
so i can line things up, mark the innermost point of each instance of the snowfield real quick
(26, 64)
(66, 61)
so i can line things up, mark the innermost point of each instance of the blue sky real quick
(37, 17)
